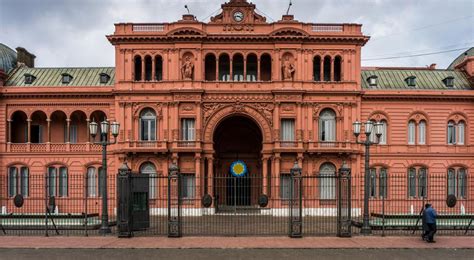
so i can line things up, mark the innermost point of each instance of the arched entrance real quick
(237, 138)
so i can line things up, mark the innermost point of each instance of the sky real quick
(71, 33)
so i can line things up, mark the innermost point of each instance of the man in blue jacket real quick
(429, 216)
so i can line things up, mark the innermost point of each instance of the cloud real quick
(72, 32)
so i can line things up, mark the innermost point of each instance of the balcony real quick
(52, 147)
(331, 147)
(143, 146)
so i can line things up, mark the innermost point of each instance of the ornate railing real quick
(327, 28)
(148, 27)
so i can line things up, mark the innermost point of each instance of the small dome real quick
(7, 58)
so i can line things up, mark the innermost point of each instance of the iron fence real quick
(244, 206)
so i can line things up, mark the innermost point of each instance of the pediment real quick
(293, 32)
(187, 31)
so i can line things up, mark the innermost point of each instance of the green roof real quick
(460, 58)
(388, 79)
(52, 77)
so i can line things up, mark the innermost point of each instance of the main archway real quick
(237, 138)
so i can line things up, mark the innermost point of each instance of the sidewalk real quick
(234, 242)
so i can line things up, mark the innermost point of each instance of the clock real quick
(238, 16)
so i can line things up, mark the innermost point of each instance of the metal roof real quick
(460, 58)
(388, 79)
(52, 77)
(7, 58)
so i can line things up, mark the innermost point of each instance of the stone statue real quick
(288, 70)
(187, 69)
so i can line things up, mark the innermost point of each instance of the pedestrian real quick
(429, 217)
(424, 225)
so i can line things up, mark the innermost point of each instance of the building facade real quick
(238, 88)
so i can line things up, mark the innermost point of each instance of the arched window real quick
(457, 182)
(148, 68)
(252, 70)
(149, 169)
(411, 132)
(94, 186)
(224, 67)
(327, 126)
(57, 184)
(327, 188)
(158, 68)
(138, 68)
(210, 65)
(317, 68)
(327, 68)
(451, 132)
(337, 68)
(18, 181)
(417, 182)
(148, 125)
(238, 67)
(265, 67)
(422, 132)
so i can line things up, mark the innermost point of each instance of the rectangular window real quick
(383, 183)
(288, 130)
(52, 181)
(285, 182)
(327, 186)
(148, 128)
(187, 129)
(422, 182)
(12, 181)
(91, 182)
(188, 186)
(63, 182)
(412, 182)
(383, 137)
(461, 133)
(422, 133)
(451, 182)
(25, 177)
(411, 132)
(451, 133)
(462, 186)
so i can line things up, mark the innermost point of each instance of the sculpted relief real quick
(288, 67)
(187, 68)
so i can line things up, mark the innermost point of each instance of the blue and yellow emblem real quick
(238, 169)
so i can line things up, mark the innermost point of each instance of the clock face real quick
(238, 16)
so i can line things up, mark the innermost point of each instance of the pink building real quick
(205, 95)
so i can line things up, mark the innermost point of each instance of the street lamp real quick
(104, 132)
(369, 125)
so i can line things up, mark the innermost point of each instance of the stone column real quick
(231, 69)
(265, 175)
(245, 69)
(49, 129)
(332, 69)
(198, 122)
(199, 182)
(153, 69)
(68, 130)
(28, 137)
(275, 178)
(9, 130)
(88, 130)
(258, 69)
(321, 69)
(217, 69)
(143, 69)
(210, 175)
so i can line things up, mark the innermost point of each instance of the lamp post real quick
(369, 125)
(104, 132)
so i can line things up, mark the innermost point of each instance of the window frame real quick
(190, 135)
(326, 132)
(292, 133)
(57, 181)
(17, 185)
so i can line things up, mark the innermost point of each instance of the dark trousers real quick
(431, 231)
